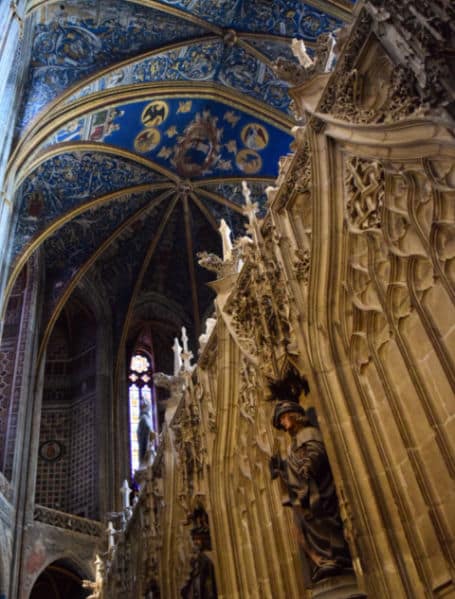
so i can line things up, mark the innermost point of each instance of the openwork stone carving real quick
(365, 193)
(188, 444)
(296, 74)
(248, 391)
(302, 264)
(67, 521)
(298, 177)
(369, 87)
(420, 35)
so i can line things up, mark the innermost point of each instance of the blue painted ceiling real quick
(138, 124)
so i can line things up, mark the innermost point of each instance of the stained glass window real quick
(140, 388)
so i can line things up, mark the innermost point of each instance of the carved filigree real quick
(214, 263)
(369, 87)
(67, 521)
(365, 193)
(296, 74)
(420, 36)
(299, 175)
(289, 71)
(302, 265)
(248, 399)
(191, 452)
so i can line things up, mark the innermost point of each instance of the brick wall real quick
(68, 482)
(12, 352)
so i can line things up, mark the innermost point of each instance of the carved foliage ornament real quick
(368, 87)
(298, 178)
(421, 34)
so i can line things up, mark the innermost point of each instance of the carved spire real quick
(225, 233)
(177, 356)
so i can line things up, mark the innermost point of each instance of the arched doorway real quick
(60, 580)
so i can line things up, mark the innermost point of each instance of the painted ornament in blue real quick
(194, 136)
(243, 72)
(73, 244)
(65, 50)
(290, 18)
(66, 181)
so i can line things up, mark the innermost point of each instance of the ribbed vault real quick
(139, 123)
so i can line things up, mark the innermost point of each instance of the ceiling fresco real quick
(194, 137)
(129, 233)
(74, 243)
(138, 126)
(209, 60)
(67, 181)
(76, 41)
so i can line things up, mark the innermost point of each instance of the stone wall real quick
(348, 280)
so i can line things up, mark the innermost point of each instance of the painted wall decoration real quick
(119, 275)
(233, 191)
(76, 41)
(73, 244)
(273, 48)
(234, 68)
(203, 138)
(76, 240)
(51, 451)
(194, 62)
(67, 180)
(235, 221)
(195, 137)
(291, 18)
(242, 71)
(283, 17)
(169, 271)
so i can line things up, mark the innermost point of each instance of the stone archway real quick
(59, 580)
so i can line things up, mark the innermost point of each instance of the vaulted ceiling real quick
(138, 125)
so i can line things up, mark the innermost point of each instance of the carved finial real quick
(177, 356)
(246, 191)
(270, 192)
(125, 493)
(225, 233)
(250, 209)
(98, 568)
(110, 535)
(184, 340)
(209, 326)
(186, 354)
(299, 50)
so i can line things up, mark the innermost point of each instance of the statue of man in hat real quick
(311, 491)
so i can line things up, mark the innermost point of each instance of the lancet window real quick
(141, 390)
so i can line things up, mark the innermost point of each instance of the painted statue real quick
(311, 492)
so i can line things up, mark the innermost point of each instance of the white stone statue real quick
(225, 233)
(145, 432)
(299, 50)
(209, 326)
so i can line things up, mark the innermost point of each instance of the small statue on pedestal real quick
(145, 433)
(311, 491)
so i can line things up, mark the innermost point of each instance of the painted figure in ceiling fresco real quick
(311, 494)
